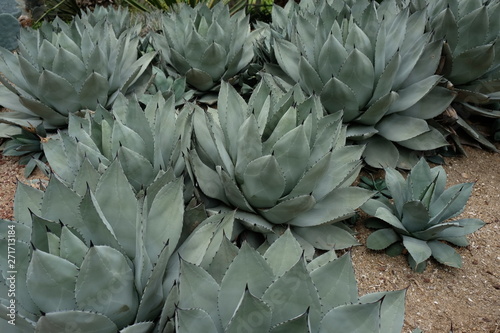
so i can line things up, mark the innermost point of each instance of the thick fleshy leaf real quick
(380, 153)
(432, 104)
(292, 294)
(137, 168)
(432, 139)
(288, 57)
(377, 110)
(73, 321)
(234, 194)
(194, 320)
(197, 289)
(143, 327)
(445, 254)
(105, 284)
(418, 249)
(410, 95)
(415, 216)
(388, 216)
(312, 178)
(289, 209)
(310, 80)
(153, 298)
(292, 154)
(327, 237)
(355, 318)
(213, 60)
(72, 248)
(392, 311)
(297, 324)
(357, 72)
(249, 146)
(208, 179)
(466, 226)
(274, 254)
(336, 206)
(400, 128)
(381, 239)
(222, 260)
(472, 28)
(263, 182)
(336, 283)
(337, 96)
(114, 190)
(249, 270)
(164, 220)
(58, 93)
(244, 316)
(451, 203)
(472, 64)
(445, 26)
(27, 200)
(51, 282)
(331, 49)
(199, 79)
(95, 228)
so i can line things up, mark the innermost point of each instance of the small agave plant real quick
(63, 68)
(206, 45)
(376, 67)
(280, 162)
(471, 57)
(418, 219)
(147, 141)
(92, 259)
(247, 290)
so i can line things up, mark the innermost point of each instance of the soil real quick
(440, 300)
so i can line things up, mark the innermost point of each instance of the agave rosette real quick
(64, 68)
(148, 141)
(206, 45)
(265, 291)
(471, 57)
(98, 254)
(280, 162)
(418, 219)
(376, 67)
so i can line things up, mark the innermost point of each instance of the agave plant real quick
(471, 58)
(280, 162)
(244, 290)
(147, 142)
(379, 69)
(168, 86)
(61, 69)
(98, 253)
(418, 218)
(205, 45)
(27, 145)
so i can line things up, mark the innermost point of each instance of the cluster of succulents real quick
(379, 69)
(164, 213)
(279, 161)
(269, 292)
(64, 68)
(471, 59)
(205, 45)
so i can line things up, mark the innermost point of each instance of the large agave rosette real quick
(64, 68)
(280, 162)
(378, 67)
